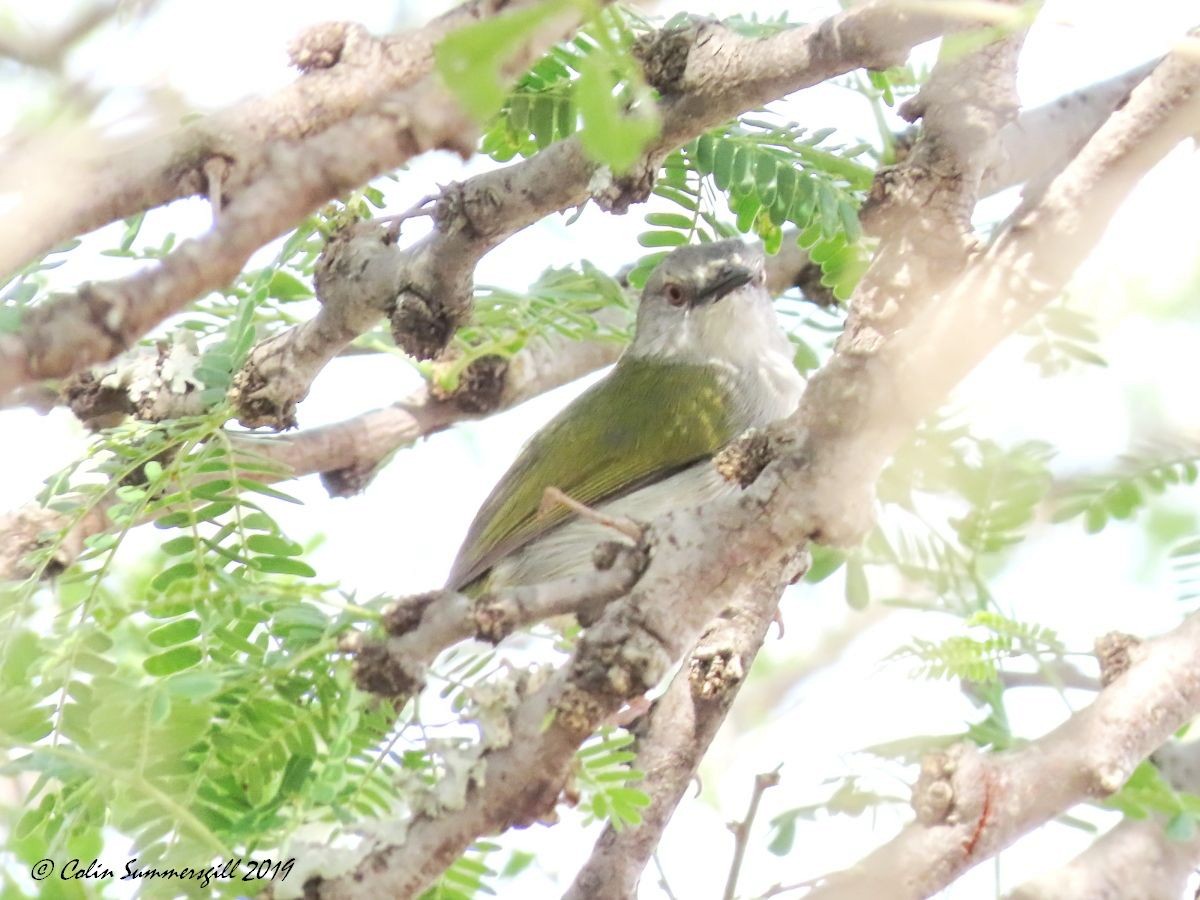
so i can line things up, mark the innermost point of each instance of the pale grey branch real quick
(69, 333)
(346, 73)
(681, 725)
(421, 627)
(706, 74)
(1132, 860)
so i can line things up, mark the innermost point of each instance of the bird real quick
(709, 359)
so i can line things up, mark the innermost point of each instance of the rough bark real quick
(1132, 861)
(98, 321)
(705, 73)
(673, 741)
(346, 72)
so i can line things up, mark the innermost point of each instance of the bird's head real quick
(705, 302)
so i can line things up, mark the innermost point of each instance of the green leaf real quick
(471, 59)
(785, 180)
(858, 590)
(669, 220)
(272, 545)
(166, 578)
(610, 134)
(827, 204)
(286, 286)
(785, 835)
(259, 488)
(283, 566)
(194, 685)
(1123, 499)
(825, 561)
(133, 225)
(1095, 520)
(723, 164)
(172, 661)
(662, 239)
(179, 546)
(805, 358)
(705, 153)
(541, 121)
(22, 651)
(517, 863)
(1182, 827)
(849, 217)
(179, 632)
(765, 167)
(742, 179)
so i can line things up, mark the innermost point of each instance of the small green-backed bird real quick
(709, 359)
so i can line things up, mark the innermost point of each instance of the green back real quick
(644, 421)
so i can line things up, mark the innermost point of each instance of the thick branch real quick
(1099, 747)
(70, 333)
(1040, 143)
(421, 627)
(1031, 150)
(970, 806)
(681, 726)
(924, 205)
(346, 72)
(706, 75)
(1134, 859)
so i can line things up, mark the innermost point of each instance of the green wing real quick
(597, 449)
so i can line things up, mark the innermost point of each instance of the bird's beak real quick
(730, 277)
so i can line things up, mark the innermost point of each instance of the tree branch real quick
(741, 830)
(421, 627)
(970, 805)
(346, 72)
(1133, 859)
(69, 333)
(924, 204)
(678, 732)
(48, 52)
(705, 74)
(1040, 143)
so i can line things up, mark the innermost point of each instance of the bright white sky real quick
(402, 533)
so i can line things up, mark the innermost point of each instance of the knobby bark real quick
(677, 734)
(71, 332)
(347, 72)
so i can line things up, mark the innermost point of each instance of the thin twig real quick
(741, 830)
(776, 889)
(662, 877)
(418, 210)
(552, 496)
(214, 172)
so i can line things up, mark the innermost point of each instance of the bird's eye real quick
(674, 294)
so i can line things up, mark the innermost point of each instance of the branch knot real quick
(322, 45)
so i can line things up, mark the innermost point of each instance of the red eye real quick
(674, 294)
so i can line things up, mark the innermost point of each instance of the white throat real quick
(740, 335)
